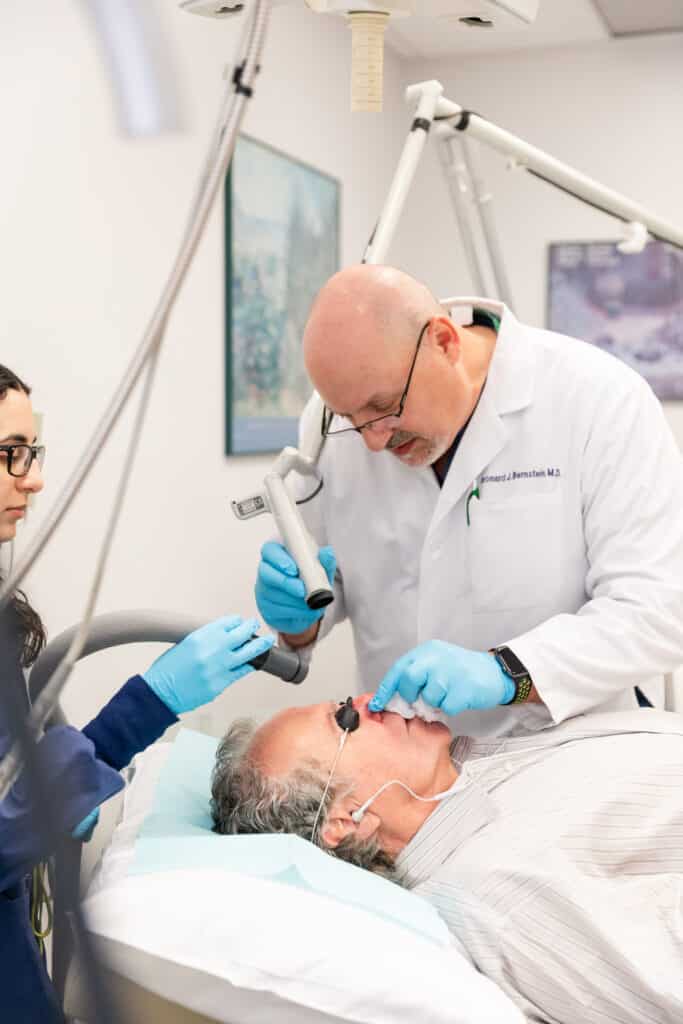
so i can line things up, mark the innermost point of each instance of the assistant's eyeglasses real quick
(20, 457)
(328, 431)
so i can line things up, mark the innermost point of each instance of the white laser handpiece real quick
(275, 498)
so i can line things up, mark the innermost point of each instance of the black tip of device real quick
(319, 599)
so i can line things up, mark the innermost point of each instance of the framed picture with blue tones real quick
(281, 245)
(629, 305)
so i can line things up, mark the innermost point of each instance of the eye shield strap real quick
(348, 720)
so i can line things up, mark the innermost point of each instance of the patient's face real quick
(385, 746)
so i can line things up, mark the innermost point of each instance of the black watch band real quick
(513, 667)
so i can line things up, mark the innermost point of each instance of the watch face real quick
(513, 665)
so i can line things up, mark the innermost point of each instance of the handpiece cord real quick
(40, 904)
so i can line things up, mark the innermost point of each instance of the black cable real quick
(316, 492)
(462, 115)
(462, 126)
(596, 206)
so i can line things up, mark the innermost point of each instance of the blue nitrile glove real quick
(85, 828)
(205, 663)
(447, 677)
(280, 592)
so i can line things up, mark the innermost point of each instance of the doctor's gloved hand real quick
(447, 677)
(280, 592)
(206, 662)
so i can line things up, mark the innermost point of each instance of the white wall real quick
(612, 110)
(89, 223)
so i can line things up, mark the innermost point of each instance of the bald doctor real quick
(502, 510)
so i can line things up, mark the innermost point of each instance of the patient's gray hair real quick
(244, 800)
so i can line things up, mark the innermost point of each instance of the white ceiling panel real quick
(638, 17)
(559, 23)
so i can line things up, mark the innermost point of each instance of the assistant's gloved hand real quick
(447, 677)
(206, 662)
(85, 828)
(280, 592)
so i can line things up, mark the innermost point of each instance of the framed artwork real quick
(630, 305)
(281, 245)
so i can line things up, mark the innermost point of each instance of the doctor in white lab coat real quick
(507, 539)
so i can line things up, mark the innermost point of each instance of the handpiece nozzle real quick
(287, 665)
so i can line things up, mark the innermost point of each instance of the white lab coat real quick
(574, 552)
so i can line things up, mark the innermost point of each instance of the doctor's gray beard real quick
(428, 449)
(399, 438)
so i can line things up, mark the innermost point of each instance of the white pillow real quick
(222, 937)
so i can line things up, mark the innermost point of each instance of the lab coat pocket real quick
(515, 550)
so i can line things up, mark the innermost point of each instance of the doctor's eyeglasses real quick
(20, 457)
(382, 422)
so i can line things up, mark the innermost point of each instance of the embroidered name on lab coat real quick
(520, 474)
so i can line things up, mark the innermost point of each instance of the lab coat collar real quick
(512, 371)
(455, 820)
(510, 382)
(509, 387)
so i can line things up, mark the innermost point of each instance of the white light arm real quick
(427, 101)
(553, 171)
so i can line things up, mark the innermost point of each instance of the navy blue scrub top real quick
(83, 772)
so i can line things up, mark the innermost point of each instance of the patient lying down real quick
(556, 860)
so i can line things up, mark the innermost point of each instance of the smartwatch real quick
(513, 667)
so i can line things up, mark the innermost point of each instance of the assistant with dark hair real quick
(81, 766)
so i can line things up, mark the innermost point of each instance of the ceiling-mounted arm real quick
(459, 184)
(426, 98)
(554, 172)
(484, 200)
